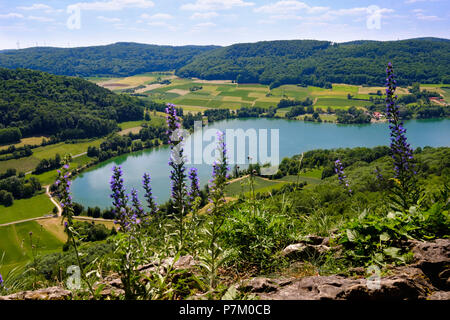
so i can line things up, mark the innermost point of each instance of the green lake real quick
(91, 188)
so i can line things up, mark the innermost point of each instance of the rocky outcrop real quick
(310, 246)
(433, 258)
(426, 278)
(407, 284)
(53, 293)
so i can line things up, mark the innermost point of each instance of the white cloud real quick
(212, 5)
(40, 6)
(11, 15)
(36, 6)
(113, 5)
(357, 11)
(205, 25)
(107, 19)
(204, 15)
(288, 6)
(157, 16)
(158, 24)
(40, 19)
(415, 1)
(162, 24)
(421, 16)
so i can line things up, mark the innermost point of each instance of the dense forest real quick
(119, 59)
(320, 63)
(35, 102)
(307, 62)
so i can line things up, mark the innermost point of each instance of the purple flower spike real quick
(339, 169)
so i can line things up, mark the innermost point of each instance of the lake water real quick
(91, 188)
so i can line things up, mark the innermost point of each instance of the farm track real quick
(75, 156)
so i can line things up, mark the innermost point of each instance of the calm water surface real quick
(91, 188)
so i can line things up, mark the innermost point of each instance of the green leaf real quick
(393, 252)
(384, 236)
(362, 215)
(231, 294)
(352, 235)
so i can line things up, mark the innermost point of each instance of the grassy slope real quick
(17, 250)
(29, 163)
(36, 206)
(263, 185)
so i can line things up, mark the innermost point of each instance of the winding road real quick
(56, 203)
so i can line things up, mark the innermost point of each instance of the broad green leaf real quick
(384, 236)
(392, 252)
(352, 235)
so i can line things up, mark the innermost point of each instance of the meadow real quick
(17, 251)
(195, 95)
(37, 206)
(25, 141)
(27, 164)
(263, 185)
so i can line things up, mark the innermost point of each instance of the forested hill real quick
(310, 62)
(119, 59)
(307, 62)
(41, 103)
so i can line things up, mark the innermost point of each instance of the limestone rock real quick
(52, 293)
(433, 258)
(405, 284)
(304, 251)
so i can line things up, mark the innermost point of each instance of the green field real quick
(262, 185)
(22, 209)
(29, 163)
(243, 186)
(17, 249)
(224, 94)
(154, 121)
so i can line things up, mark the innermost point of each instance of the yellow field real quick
(181, 92)
(235, 99)
(193, 109)
(134, 130)
(30, 141)
(368, 90)
(55, 227)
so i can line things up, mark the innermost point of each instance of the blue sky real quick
(220, 22)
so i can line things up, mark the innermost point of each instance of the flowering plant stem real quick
(63, 184)
(406, 191)
(217, 199)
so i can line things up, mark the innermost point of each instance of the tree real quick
(6, 198)
(96, 212)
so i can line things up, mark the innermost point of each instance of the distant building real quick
(437, 99)
(377, 115)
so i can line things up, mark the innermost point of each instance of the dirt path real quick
(47, 192)
(26, 220)
(238, 179)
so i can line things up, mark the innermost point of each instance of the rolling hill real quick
(305, 62)
(319, 63)
(119, 59)
(41, 103)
